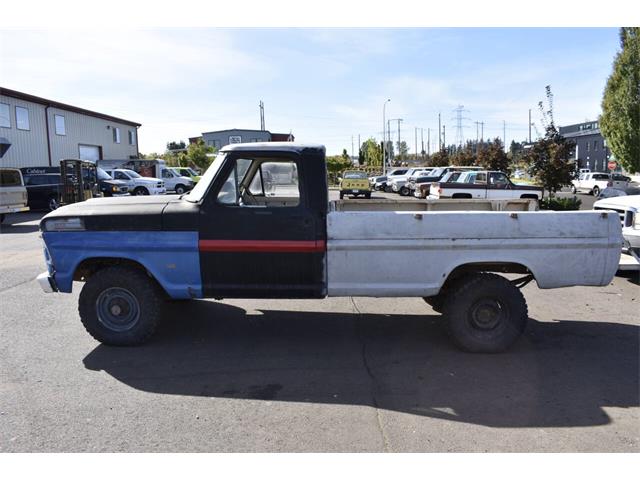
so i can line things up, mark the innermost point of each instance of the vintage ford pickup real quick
(237, 235)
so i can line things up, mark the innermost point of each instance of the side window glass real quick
(229, 194)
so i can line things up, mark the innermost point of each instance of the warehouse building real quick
(591, 149)
(37, 132)
(220, 138)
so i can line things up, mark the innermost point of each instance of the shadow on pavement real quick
(21, 222)
(560, 374)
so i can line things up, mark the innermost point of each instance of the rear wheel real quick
(404, 191)
(180, 189)
(485, 313)
(120, 306)
(367, 195)
(53, 203)
(573, 189)
(141, 191)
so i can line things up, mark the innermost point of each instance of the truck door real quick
(259, 238)
(499, 186)
(480, 182)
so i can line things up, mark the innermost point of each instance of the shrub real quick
(560, 204)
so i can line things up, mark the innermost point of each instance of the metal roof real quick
(63, 106)
(272, 147)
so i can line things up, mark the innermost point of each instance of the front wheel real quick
(141, 191)
(120, 306)
(485, 313)
(404, 191)
(53, 203)
(180, 189)
(596, 191)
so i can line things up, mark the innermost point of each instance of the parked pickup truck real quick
(423, 184)
(13, 194)
(137, 184)
(594, 183)
(483, 185)
(228, 238)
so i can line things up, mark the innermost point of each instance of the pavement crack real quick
(367, 367)
(6, 289)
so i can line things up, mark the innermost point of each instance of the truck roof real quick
(272, 147)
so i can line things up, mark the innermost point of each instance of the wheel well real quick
(529, 195)
(461, 195)
(90, 266)
(497, 267)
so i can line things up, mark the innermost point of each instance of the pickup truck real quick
(13, 194)
(228, 238)
(172, 180)
(423, 184)
(489, 184)
(594, 183)
(136, 183)
(399, 183)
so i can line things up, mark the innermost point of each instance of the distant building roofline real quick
(63, 106)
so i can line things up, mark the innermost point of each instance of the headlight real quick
(64, 225)
(114, 188)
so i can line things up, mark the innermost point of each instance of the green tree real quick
(464, 157)
(439, 159)
(336, 165)
(403, 150)
(620, 120)
(549, 158)
(371, 153)
(493, 157)
(197, 154)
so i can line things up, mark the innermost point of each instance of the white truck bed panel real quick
(412, 253)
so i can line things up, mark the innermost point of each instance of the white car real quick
(138, 185)
(628, 208)
(594, 183)
(392, 175)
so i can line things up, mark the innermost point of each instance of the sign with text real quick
(235, 139)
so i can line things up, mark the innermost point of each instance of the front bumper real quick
(14, 209)
(47, 282)
(355, 191)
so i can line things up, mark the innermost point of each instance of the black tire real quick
(573, 189)
(485, 313)
(52, 203)
(595, 191)
(180, 189)
(2, 217)
(404, 191)
(120, 306)
(341, 195)
(388, 189)
(140, 191)
(367, 195)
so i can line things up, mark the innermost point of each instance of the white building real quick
(37, 132)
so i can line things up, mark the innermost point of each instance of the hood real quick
(625, 201)
(147, 180)
(139, 213)
(118, 183)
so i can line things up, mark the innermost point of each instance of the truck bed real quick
(411, 253)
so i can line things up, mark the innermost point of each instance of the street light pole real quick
(384, 137)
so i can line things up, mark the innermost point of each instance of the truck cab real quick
(13, 194)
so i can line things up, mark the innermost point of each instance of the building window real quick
(588, 145)
(5, 120)
(116, 135)
(60, 128)
(22, 118)
(595, 145)
(132, 137)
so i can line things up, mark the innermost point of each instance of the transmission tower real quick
(459, 140)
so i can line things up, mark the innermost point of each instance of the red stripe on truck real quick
(266, 246)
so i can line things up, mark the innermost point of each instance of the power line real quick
(459, 126)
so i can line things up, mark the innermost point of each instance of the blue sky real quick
(324, 85)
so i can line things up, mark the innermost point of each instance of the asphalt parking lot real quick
(344, 374)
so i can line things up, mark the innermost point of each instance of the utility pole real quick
(359, 149)
(384, 138)
(429, 142)
(477, 137)
(439, 134)
(529, 125)
(399, 121)
(482, 133)
(444, 136)
(504, 134)
(262, 115)
(416, 141)
(352, 148)
(422, 143)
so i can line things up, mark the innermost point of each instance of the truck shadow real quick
(560, 374)
(26, 222)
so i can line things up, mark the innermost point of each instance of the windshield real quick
(355, 175)
(102, 175)
(202, 186)
(131, 173)
(437, 172)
